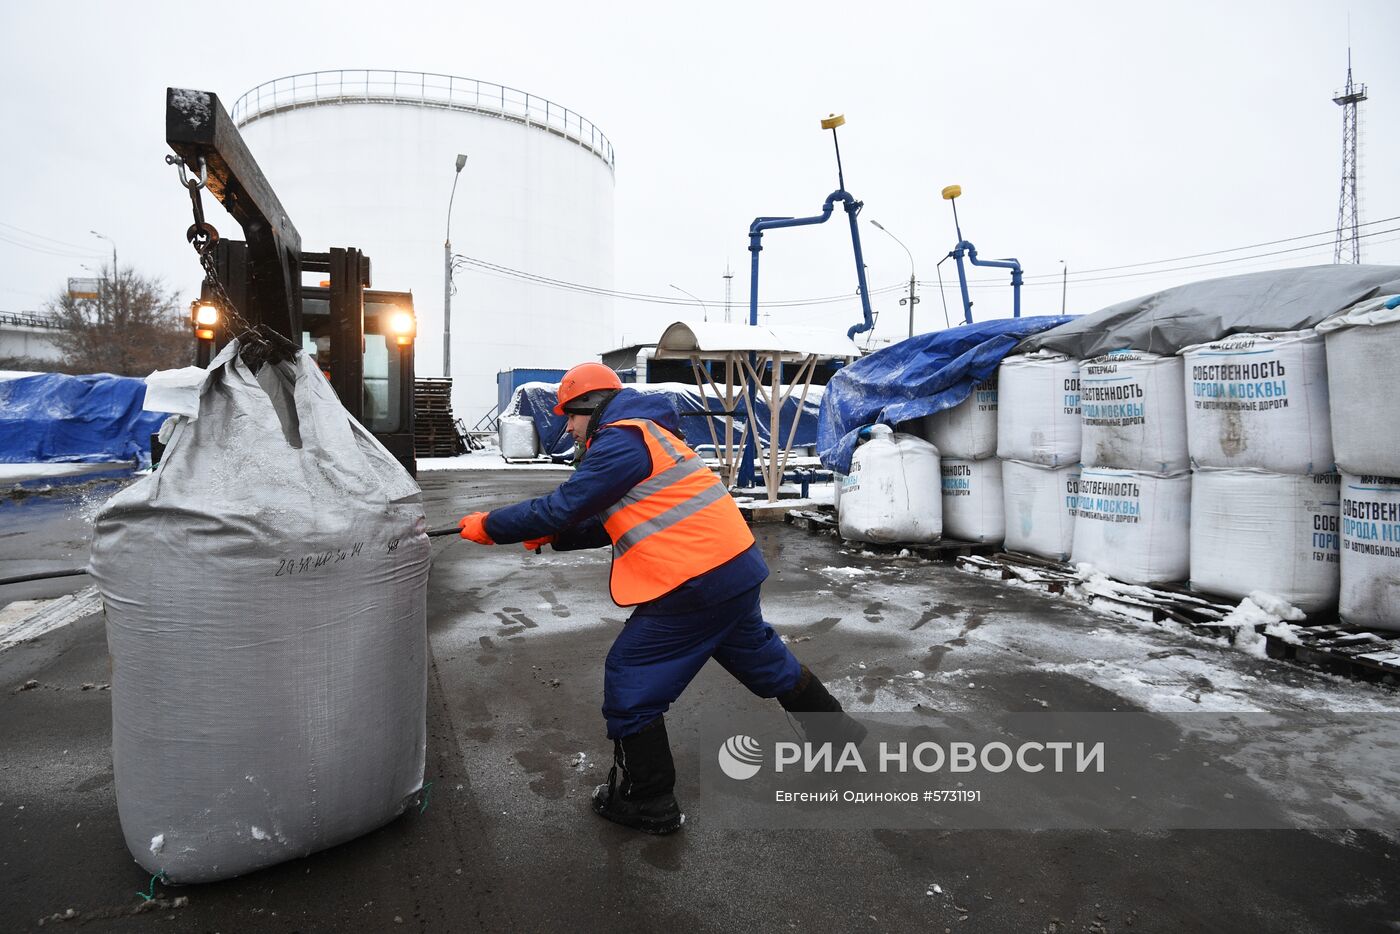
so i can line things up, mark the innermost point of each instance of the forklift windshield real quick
(385, 374)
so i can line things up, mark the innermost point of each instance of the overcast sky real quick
(1100, 134)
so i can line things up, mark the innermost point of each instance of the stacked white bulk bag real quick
(517, 437)
(1363, 376)
(969, 429)
(892, 493)
(1039, 508)
(1370, 587)
(1259, 401)
(1038, 445)
(265, 591)
(1133, 512)
(1133, 416)
(1038, 411)
(966, 438)
(1257, 407)
(1256, 530)
(972, 499)
(1132, 525)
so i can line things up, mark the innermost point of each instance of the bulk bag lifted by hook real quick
(266, 599)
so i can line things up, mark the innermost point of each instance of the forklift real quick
(361, 338)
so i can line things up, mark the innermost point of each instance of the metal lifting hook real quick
(193, 184)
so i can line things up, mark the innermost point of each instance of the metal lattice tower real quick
(1348, 229)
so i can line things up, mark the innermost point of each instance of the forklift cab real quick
(386, 384)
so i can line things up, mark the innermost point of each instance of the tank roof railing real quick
(371, 86)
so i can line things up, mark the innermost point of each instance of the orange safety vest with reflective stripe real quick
(678, 523)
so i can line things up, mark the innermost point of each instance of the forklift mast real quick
(261, 276)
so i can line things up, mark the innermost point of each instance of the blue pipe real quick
(760, 224)
(1014, 265)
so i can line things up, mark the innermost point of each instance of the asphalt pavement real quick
(504, 840)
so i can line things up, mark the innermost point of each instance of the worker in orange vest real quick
(685, 559)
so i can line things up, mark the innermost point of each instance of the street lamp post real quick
(116, 282)
(704, 310)
(913, 298)
(447, 275)
(1064, 285)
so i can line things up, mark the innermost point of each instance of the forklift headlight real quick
(206, 315)
(403, 327)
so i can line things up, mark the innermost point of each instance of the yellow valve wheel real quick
(951, 192)
(833, 121)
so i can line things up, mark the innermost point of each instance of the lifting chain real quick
(203, 236)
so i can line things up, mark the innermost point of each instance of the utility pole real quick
(913, 298)
(1064, 285)
(447, 275)
(1348, 227)
(728, 286)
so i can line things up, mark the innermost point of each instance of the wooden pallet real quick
(821, 520)
(435, 432)
(1350, 650)
(1156, 604)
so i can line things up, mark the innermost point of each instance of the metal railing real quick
(28, 319)
(370, 86)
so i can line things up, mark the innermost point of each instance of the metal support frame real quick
(743, 382)
(199, 130)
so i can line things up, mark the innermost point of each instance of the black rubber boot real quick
(639, 790)
(821, 715)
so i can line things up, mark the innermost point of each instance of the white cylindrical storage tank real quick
(1259, 402)
(1370, 552)
(973, 509)
(1254, 530)
(1038, 409)
(1039, 507)
(1363, 378)
(1133, 413)
(368, 159)
(892, 493)
(1134, 526)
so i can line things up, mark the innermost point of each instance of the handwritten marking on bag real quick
(309, 563)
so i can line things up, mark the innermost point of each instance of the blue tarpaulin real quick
(536, 401)
(75, 419)
(916, 377)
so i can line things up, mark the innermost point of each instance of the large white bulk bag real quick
(266, 600)
(1133, 413)
(972, 499)
(1370, 551)
(892, 493)
(1134, 526)
(1363, 378)
(1039, 507)
(518, 438)
(968, 429)
(1259, 401)
(1038, 409)
(1256, 530)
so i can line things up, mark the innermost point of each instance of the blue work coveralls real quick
(666, 641)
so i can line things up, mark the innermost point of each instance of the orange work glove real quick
(474, 528)
(535, 544)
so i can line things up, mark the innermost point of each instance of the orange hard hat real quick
(585, 378)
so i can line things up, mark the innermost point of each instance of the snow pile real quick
(1261, 609)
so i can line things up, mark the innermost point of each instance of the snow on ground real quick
(482, 460)
(20, 473)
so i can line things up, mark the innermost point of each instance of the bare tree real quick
(134, 326)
